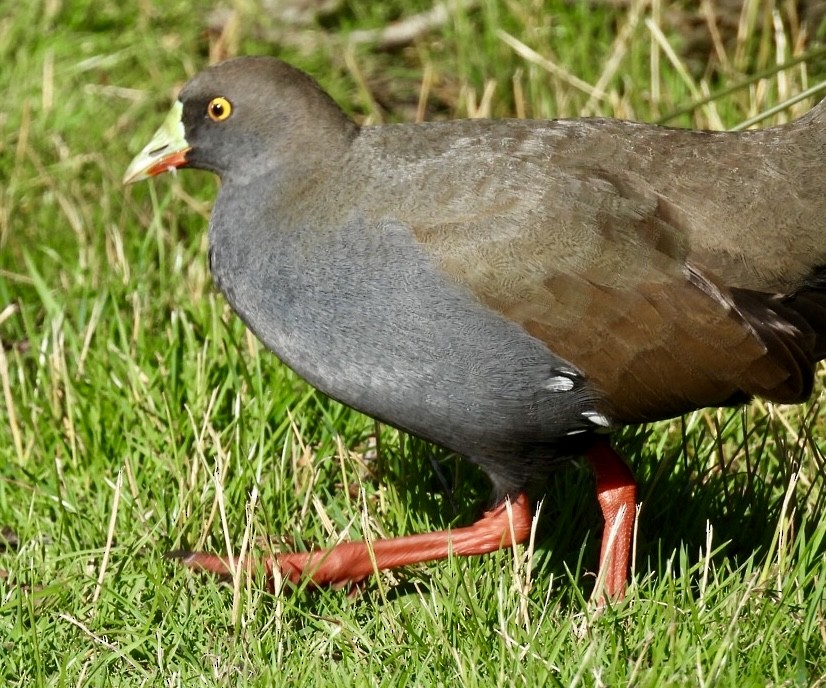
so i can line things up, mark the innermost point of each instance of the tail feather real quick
(793, 330)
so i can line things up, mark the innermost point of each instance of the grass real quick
(138, 415)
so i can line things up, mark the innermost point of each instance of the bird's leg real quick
(617, 495)
(351, 562)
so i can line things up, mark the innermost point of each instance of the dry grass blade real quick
(532, 56)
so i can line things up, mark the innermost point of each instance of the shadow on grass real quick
(733, 475)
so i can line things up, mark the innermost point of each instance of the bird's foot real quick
(617, 495)
(352, 562)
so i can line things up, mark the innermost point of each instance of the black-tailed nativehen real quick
(513, 290)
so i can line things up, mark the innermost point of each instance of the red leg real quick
(351, 562)
(617, 495)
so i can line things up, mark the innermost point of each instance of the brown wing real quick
(602, 277)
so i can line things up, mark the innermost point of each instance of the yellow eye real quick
(219, 109)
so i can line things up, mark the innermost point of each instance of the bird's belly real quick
(380, 329)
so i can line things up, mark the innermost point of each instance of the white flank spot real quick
(560, 383)
(597, 419)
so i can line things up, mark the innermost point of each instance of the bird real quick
(513, 290)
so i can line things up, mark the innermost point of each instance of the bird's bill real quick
(166, 151)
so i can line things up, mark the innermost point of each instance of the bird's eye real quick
(219, 109)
